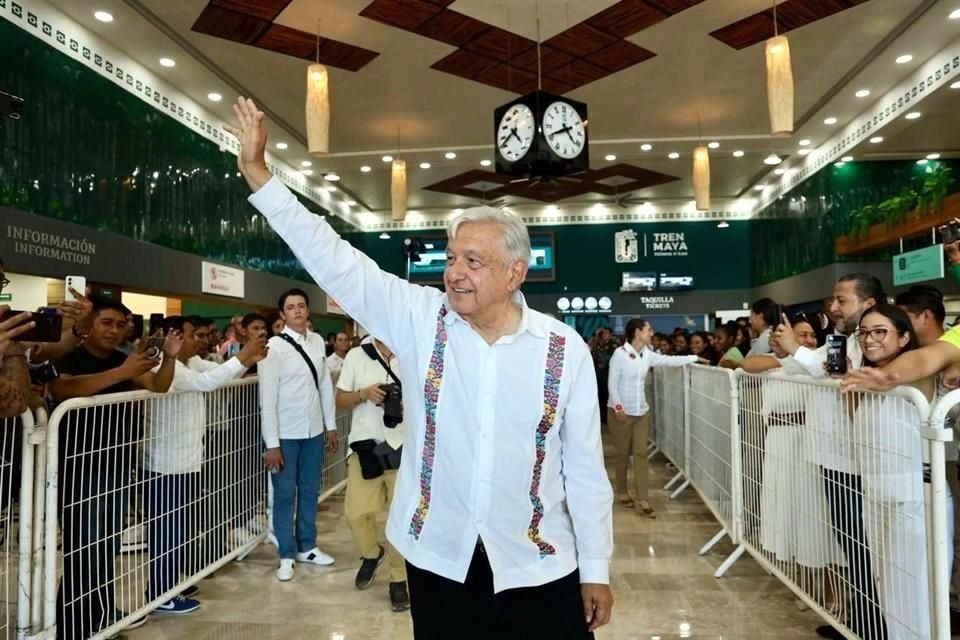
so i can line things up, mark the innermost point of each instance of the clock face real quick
(563, 130)
(515, 132)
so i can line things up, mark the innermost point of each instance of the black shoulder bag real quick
(306, 358)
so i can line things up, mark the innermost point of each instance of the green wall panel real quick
(717, 258)
(90, 153)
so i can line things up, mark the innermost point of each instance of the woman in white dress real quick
(889, 453)
(794, 520)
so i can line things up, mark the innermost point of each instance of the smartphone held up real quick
(48, 325)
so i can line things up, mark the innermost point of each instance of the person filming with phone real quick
(852, 295)
(97, 453)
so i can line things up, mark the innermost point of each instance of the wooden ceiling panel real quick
(465, 64)
(442, 3)
(673, 7)
(342, 55)
(452, 28)
(627, 17)
(581, 40)
(578, 73)
(263, 9)
(500, 44)
(791, 14)
(408, 15)
(553, 85)
(291, 42)
(230, 25)
(620, 55)
(504, 76)
(550, 59)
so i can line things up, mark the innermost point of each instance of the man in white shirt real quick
(341, 345)
(296, 398)
(763, 316)
(503, 506)
(372, 464)
(173, 458)
(852, 296)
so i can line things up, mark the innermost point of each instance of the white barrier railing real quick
(842, 497)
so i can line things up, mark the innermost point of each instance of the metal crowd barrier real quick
(842, 497)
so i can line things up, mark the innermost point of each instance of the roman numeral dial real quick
(515, 132)
(564, 130)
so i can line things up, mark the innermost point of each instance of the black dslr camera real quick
(392, 405)
(950, 232)
(42, 374)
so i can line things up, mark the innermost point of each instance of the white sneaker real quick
(317, 557)
(285, 572)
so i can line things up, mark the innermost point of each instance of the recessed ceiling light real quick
(646, 147)
(876, 139)
(839, 164)
(847, 159)
(924, 161)
(723, 224)
(610, 157)
(738, 153)
(955, 85)
(804, 143)
(167, 62)
(331, 177)
(778, 171)
(449, 155)
(955, 14)
(830, 120)
(103, 16)
(805, 152)
(306, 163)
(714, 145)
(384, 236)
(863, 93)
(282, 146)
(365, 168)
(904, 59)
(329, 188)
(673, 155)
(933, 156)
(214, 97)
(772, 159)
(913, 115)
(387, 158)
(759, 187)
(351, 203)
(307, 172)
(424, 165)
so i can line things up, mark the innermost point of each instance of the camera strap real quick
(306, 358)
(372, 352)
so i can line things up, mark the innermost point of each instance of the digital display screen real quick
(675, 283)
(429, 268)
(638, 281)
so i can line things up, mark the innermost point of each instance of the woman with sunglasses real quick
(888, 450)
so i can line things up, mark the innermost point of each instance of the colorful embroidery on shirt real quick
(551, 398)
(431, 394)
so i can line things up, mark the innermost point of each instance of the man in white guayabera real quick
(503, 508)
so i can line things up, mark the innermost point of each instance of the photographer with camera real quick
(14, 373)
(296, 398)
(369, 389)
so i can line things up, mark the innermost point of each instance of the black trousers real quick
(443, 609)
(845, 497)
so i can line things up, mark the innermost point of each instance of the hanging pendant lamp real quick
(779, 82)
(398, 190)
(701, 178)
(318, 110)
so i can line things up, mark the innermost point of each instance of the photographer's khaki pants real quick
(365, 499)
(630, 438)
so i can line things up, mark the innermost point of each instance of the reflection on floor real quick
(664, 590)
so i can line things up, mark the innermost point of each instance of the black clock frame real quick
(541, 161)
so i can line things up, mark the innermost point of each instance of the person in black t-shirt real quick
(97, 447)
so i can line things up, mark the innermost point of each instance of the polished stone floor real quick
(664, 590)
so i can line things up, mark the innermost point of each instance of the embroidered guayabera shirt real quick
(503, 441)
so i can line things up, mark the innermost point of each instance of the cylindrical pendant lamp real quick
(318, 110)
(780, 86)
(701, 178)
(398, 190)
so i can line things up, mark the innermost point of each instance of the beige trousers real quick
(365, 500)
(630, 438)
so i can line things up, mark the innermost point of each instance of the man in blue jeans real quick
(296, 399)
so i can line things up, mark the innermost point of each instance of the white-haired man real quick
(503, 508)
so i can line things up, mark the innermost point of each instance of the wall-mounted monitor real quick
(638, 281)
(668, 282)
(429, 268)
